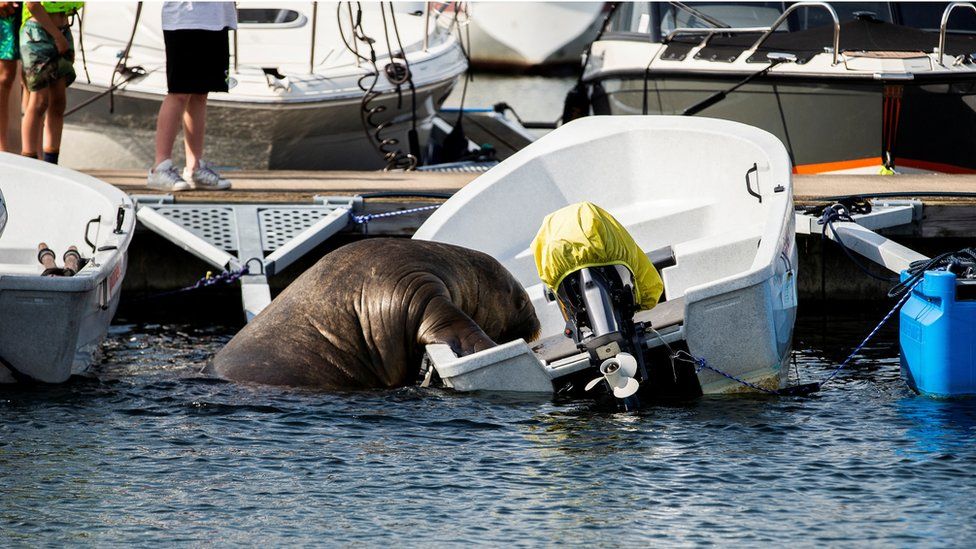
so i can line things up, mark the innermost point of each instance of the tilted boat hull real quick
(727, 220)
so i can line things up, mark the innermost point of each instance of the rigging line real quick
(81, 44)
(122, 63)
(413, 89)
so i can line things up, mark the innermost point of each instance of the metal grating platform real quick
(279, 225)
(216, 225)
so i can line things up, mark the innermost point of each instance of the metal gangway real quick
(255, 241)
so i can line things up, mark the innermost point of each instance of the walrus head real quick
(504, 310)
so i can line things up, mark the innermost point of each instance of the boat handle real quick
(754, 168)
(88, 229)
(119, 219)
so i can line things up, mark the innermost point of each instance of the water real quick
(147, 449)
(534, 98)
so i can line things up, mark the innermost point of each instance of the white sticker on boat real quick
(789, 290)
(644, 24)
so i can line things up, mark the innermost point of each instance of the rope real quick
(208, 280)
(840, 212)
(916, 269)
(387, 147)
(701, 364)
(870, 335)
(366, 218)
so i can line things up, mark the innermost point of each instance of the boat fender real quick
(577, 103)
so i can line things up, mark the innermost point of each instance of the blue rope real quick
(206, 281)
(366, 218)
(701, 364)
(884, 320)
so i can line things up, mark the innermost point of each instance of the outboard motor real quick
(598, 304)
(601, 278)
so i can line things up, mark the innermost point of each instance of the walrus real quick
(360, 317)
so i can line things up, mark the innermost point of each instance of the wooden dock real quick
(945, 215)
(288, 186)
(949, 222)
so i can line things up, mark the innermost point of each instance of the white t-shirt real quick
(211, 16)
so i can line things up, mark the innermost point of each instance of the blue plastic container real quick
(938, 338)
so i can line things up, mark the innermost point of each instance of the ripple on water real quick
(148, 448)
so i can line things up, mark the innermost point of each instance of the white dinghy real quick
(51, 326)
(710, 202)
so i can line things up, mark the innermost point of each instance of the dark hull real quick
(826, 124)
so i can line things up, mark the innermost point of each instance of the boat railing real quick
(767, 31)
(945, 21)
(437, 9)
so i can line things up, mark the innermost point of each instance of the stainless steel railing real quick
(767, 31)
(945, 21)
(782, 18)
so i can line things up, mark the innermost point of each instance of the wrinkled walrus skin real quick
(361, 316)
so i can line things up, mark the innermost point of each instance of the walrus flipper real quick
(443, 322)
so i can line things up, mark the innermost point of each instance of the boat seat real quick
(556, 347)
(667, 313)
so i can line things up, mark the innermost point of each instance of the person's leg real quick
(168, 124)
(33, 122)
(54, 120)
(8, 74)
(194, 129)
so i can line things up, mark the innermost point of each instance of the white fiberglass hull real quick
(324, 135)
(51, 327)
(728, 224)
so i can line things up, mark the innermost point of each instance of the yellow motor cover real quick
(585, 235)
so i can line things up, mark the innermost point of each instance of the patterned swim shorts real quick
(9, 39)
(43, 65)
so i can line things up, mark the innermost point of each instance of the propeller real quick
(619, 372)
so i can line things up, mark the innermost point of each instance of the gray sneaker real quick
(165, 178)
(205, 178)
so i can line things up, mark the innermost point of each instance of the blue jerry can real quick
(938, 338)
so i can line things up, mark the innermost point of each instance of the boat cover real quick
(584, 235)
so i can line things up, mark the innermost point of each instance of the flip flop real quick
(72, 261)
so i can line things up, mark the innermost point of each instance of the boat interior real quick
(80, 214)
(642, 178)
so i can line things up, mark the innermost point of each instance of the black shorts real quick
(197, 61)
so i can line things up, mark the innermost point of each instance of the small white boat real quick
(709, 200)
(51, 327)
(531, 34)
(296, 95)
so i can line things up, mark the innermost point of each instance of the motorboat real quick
(526, 35)
(856, 87)
(721, 233)
(304, 92)
(51, 326)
